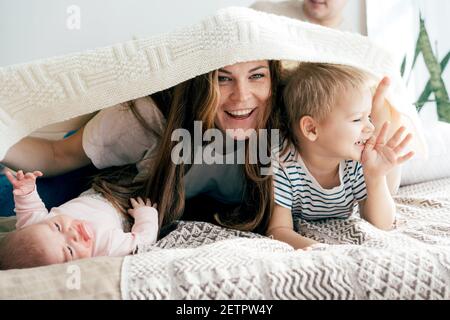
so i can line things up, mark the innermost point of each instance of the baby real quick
(84, 227)
(330, 160)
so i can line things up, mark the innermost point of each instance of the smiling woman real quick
(245, 89)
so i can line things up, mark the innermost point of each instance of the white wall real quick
(34, 29)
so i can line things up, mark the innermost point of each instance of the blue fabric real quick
(54, 191)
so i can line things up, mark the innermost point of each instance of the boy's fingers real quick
(155, 206)
(405, 158)
(395, 139)
(403, 144)
(381, 139)
(370, 144)
(19, 175)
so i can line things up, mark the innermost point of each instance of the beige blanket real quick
(202, 261)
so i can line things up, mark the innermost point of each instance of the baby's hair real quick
(20, 249)
(313, 89)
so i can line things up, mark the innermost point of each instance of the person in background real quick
(327, 13)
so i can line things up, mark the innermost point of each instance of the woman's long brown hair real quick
(194, 100)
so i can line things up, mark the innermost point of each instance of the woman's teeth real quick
(240, 113)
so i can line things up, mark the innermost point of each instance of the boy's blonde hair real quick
(313, 89)
(20, 249)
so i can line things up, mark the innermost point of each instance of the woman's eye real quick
(70, 251)
(257, 76)
(357, 120)
(58, 227)
(223, 79)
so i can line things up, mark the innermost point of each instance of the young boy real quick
(330, 160)
(84, 227)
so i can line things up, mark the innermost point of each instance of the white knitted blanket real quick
(202, 261)
(43, 92)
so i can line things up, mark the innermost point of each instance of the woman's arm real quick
(50, 157)
(281, 228)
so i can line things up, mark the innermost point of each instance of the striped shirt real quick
(296, 189)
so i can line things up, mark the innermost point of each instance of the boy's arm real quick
(281, 228)
(379, 207)
(379, 158)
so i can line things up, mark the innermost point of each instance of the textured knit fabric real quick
(43, 92)
(110, 239)
(297, 190)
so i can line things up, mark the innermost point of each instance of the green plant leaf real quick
(427, 91)
(434, 68)
(402, 68)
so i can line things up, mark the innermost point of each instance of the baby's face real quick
(344, 132)
(64, 238)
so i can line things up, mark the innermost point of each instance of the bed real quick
(199, 260)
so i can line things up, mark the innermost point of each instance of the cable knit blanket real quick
(43, 92)
(203, 261)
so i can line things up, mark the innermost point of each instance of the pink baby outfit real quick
(110, 239)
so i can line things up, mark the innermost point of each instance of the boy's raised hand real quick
(379, 156)
(138, 203)
(23, 184)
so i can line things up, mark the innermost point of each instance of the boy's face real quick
(64, 239)
(343, 133)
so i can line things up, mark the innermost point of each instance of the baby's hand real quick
(138, 203)
(23, 184)
(379, 157)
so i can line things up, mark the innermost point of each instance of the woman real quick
(240, 96)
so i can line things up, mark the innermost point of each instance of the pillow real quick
(437, 165)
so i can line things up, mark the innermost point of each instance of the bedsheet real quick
(202, 261)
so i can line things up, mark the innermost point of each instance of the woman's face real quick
(245, 92)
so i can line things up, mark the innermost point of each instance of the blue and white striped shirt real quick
(297, 190)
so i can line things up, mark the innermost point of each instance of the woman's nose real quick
(241, 91)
